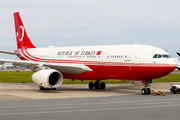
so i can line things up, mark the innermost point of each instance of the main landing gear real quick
(97, 85)
(145, 90)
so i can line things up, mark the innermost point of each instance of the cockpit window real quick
(155, 56)
(159, 56)
(165, 56)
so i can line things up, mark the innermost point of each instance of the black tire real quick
(103, 85)
(41, 88)
(148, 91)
(53, 88)
(174, 92)
(143, 91)
(91, 85)
(171, 91)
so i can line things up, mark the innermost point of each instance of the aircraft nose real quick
(172, 63)
(160, 69)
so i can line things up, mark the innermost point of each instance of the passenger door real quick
(137, 57)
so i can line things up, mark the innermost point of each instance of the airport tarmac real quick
(77, 102)
(14, 91)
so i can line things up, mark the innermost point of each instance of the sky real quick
(92, 22)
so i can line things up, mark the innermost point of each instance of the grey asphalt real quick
(126, 107)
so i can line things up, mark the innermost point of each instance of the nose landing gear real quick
(97, 85)
(146, 90)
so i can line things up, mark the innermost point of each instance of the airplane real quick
(135, 63)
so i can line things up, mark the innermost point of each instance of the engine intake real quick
(48, 78)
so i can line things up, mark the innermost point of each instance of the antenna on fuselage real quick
(166, 51)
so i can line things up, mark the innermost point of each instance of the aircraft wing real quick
(7, 52)
(62, 67)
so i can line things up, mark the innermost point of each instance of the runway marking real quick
(89, 110)
(56, 108)
(121, 102)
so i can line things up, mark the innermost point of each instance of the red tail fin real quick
(21, 35)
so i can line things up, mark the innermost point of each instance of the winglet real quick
(178, 53)
(21, 35)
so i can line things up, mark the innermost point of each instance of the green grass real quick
(169, 78)
(25, 77)
(176, 71)
(18, 77)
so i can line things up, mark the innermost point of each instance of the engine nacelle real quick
(138, 83)
(48, 78)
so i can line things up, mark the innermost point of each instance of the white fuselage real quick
(109, 62)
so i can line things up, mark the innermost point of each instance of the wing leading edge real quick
(62, 67)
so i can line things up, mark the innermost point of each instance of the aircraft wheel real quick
(171, 91)
(143, 91)
(148, 91)
(91, 85)
(41, 88)
(103, 85)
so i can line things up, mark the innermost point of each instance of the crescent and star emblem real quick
(22, 33)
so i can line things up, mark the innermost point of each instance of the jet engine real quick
(138, 83)
(48, 78)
